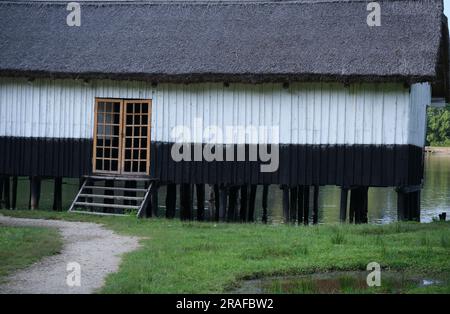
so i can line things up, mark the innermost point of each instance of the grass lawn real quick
(192, 257)
(22, 246)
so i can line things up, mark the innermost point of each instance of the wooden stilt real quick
(217, 202)
(306, 205)
(232, 202)
(89, 192)
(343, 204)
(35, 192)
(223, 203)
(109, 184)
(293, 204)
(416, 207)
(14, 193)
(354, 205)
(211, 202)
(358, 204)
(401, 205)
(352, 214)
(244, 202)
(154, 198)
(265, 197)
(200, 189)
(57, 194)
(171, 200)
(147, 205)
(316, 205)
(364, 205)
(2, 180)
(408, 204)
(130, 185)
(251, 203)
(29, 194)
(185, 202)
(7, 192)
(300, 203)
(285, 203)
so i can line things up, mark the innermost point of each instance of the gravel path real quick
(95, 248)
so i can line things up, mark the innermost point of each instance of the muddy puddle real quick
(337, 282)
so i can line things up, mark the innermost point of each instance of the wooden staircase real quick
(110, 195)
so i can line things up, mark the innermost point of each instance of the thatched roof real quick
(249, 41)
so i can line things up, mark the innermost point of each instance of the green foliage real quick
(438, 133)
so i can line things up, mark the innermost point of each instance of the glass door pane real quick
(107, 136)
(136, 150)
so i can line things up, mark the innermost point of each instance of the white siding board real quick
(306, 113)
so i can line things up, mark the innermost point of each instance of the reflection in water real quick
(435, 197)
(336, 282)
(382, 201)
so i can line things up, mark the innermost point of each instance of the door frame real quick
(123, 135)
(121, 145)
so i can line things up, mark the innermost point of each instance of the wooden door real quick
(122, 136)
(107, 136)
(136, 144)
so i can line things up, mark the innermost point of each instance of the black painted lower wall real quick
(343, 165)
(25, 156)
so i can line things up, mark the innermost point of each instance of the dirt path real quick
(95, 248)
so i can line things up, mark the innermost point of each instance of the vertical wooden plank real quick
(171, 199)
(154, 197)
(2, 180)
(251, 204)
(35, 192)
(14, 193)
(223, 202)
(130, 185)
(343, 204)
(110, 184)
(57, 194)
(185, 202)
(200, 189)
(264, 202)
(293, 204)
(244, 203)
(316, 205)
(286, 200)
(232, 202)
(300, 203)
(306, 204)
(217, 202)
(6, 192)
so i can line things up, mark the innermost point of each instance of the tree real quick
(438, 130)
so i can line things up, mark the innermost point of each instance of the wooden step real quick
(118, 178)
(143, 200)
(117, 197)
(96, 213)
(114, 188)
(106, 205)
